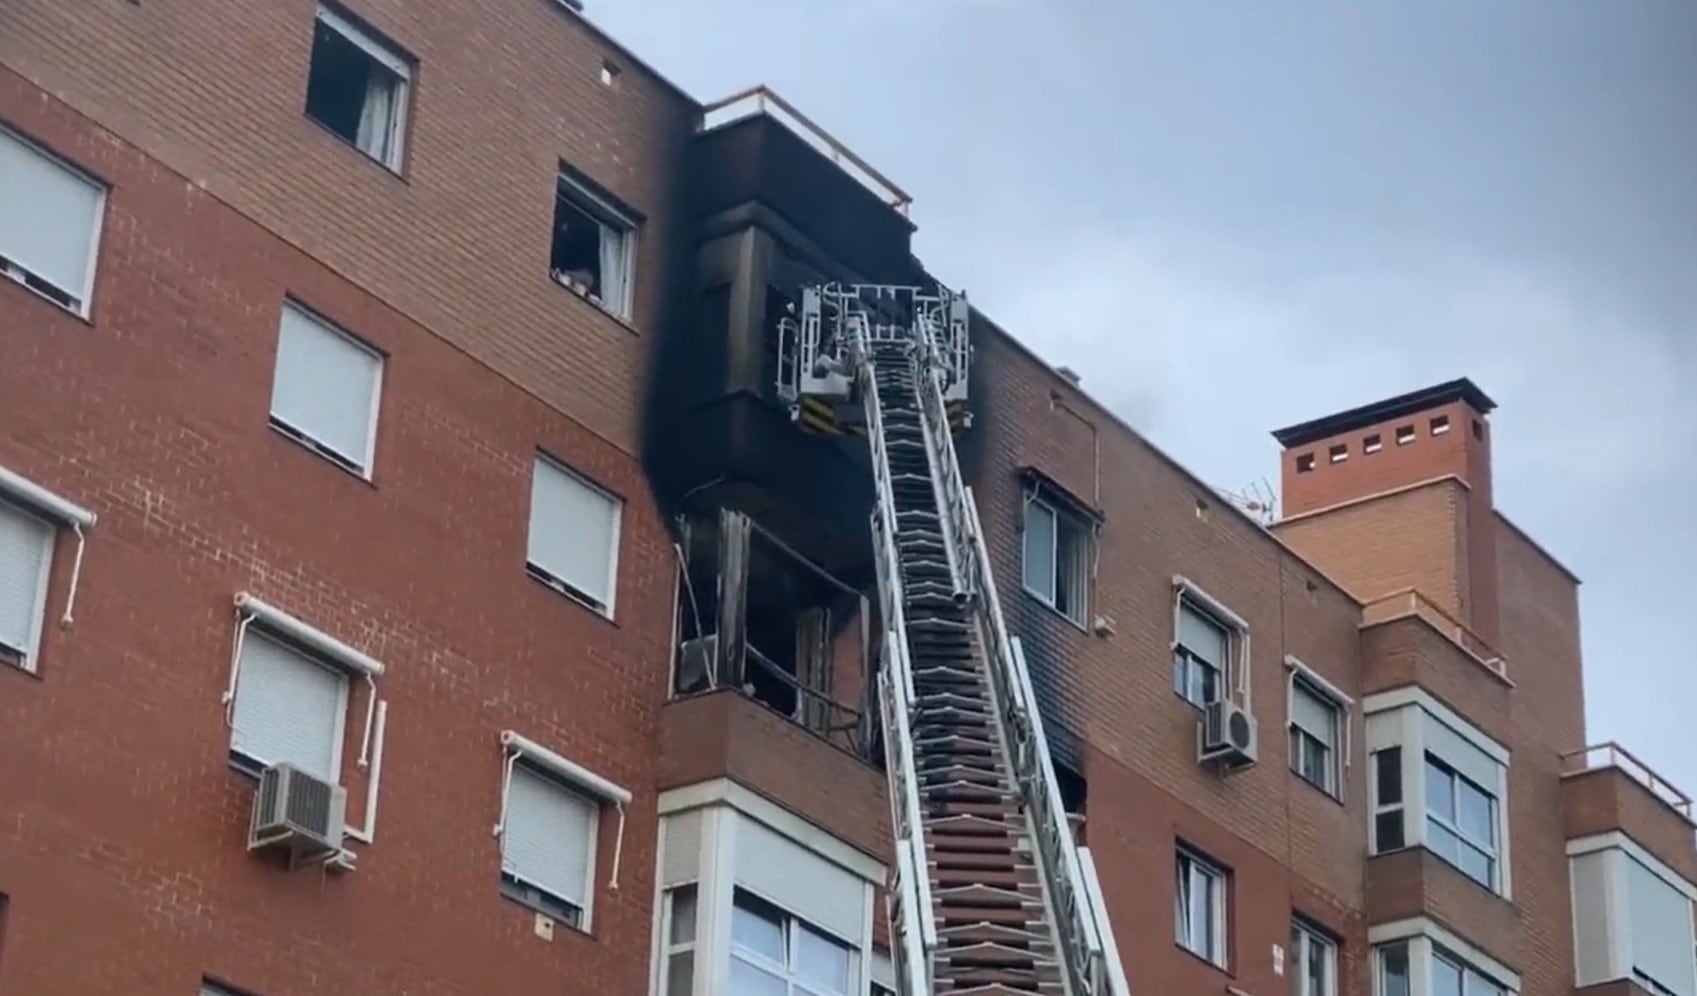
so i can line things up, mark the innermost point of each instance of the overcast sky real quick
(1235, 216)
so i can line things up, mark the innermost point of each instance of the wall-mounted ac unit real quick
(298, 814)
(1228, 735)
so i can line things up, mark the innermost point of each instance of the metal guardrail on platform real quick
(1410, 603)
(1612, 755)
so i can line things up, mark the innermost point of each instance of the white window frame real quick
(25, 498)
(1305, 938)
(1608, 926)
(1490, 849)
(1379, 806)
(1233, 681)
(81, 297)
(389, 57)
(576, 779)
(1191, 870)
(1339, 754)
(669, 949)
(614, 220)
(792, 927)
(542, 573)
(1401, 718)
(1083, 534)
(1425, 940)
(316, 648)
(360, 465)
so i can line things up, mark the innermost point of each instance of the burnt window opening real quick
(1075, 796)
(757, 617)
(1304, 463)
(593, 251)
(356, 86)
(1058, 547)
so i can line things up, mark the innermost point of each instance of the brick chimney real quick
(1396, 495)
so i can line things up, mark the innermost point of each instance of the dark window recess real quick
(1338, 453)
(1478, 430)
(1388, 831)
(1305, 463)
(351, 93)
(1404, 435)
(1373, 443)
(1388, 772)
(576, 254)
(1440, 425)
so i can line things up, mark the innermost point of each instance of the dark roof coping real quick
(1402, 405)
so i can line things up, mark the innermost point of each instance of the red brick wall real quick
(505, 90)
(122, 845)
(1367, 546)
(1289, 845)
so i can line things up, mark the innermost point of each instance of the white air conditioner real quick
(1228, 735)
(298, 814)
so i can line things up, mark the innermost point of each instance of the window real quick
(1461, 822)
(1387, 801)
(1304, 463)
(1199, 908)
(776, 954)
(574, 535)
(26, 559)
(1453, 977)
(1438, 782)
(1057, 558)
(1200, 656)
(1393, 970)
(678, 960)
(594, 251)
(1633, 917)
(1373, 443)
(1315, 728)
(1313, 961)
(326, 389)
(1440, 424)
(289, 708)
(1404, 435)
(548, 845)
(357, 87)
(49, 223)
(1338, 453)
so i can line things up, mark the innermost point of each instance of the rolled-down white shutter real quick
(48, 214)
(1312, 713)
(1661, 930)
(25, 546)
(1202, 636)
(325, 386)
(548, 836)
(574, 530)
(289, 708)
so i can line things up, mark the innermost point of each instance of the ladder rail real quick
(918, 927)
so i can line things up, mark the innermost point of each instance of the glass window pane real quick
(1393, 970)
(1207, 686)
(1476, 863)
(821, 963)
(749, 980)
(1478, 985)
(757, 932)
(1474, 816)
(1388, 774)
(1387, 829)
(1443, 843)
(683, 915)
(1446, 978)
(680, 973)
(1440, 791)
(1040, 550)
(1181, 673)
(1319, 965)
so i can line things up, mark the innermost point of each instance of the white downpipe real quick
(76, 575)
(235, 669)
(368, 832)
(370, 715)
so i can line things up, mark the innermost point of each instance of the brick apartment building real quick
(389, 388)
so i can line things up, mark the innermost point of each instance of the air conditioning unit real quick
(1228, 735)
(298, 814)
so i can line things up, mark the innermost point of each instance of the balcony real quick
(1414, 882)
(1605, 788)
(1407, 639)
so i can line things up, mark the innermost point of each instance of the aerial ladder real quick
(988, 893)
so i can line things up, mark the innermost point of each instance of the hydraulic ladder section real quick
(989, 896)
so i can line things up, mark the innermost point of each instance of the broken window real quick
(357, 87)
(594, 247)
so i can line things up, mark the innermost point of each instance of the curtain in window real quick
(377, 116)
(615, 287)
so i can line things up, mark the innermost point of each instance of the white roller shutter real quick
(289, 708)
(816, 890)
(1203, 637)
(1313, 713)
(26, 546)
(1661, 930)
(48, 216)
(548, 838)
(326, 386)
(681, 851)
(574, 531)
(1460, 753)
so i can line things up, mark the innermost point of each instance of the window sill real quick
(568, 593)
(517, 897)
(595, 302)
(1047, 604)
(342, 140)
(1198, 707)
(318, 450)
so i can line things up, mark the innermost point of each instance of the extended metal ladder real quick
(989, 895)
